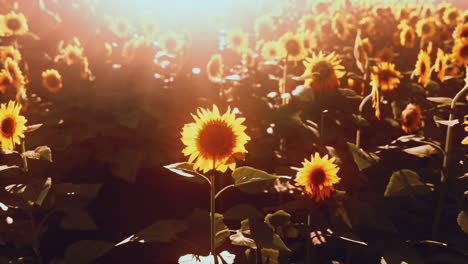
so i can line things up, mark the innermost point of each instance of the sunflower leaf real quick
(404, 182)
(440, 100)
(86, 251)
(264, 236)
(160, 231)
(32, 128)
(186, 170)
(77, 219)
(40, 153)
(251, 180)
(241, 211)
(363, 159)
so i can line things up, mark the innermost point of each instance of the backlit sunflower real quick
(14, 24)
(318, 176)
(307, 24)
(270, 50)
(10, 52)
(407, 36)
(460, 51)
(451, 16)
(52, 80)
(213, 141)
(340, 27)
(384, 76)
(411, 118)
(309, 41)
(237, 40)
(215, 67)
(12, 125)
(72, 54)
(464, 16)
(322, 72)
(291, 46)
(264, 27)
(171, 42)
(17, 77)
(423, 68)
(149, 29)
(441, 64)
(461, 31)
(120, 27)
(366, 26)
(385, 54)
(426, 28)
(5, 80)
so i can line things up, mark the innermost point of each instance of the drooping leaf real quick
(241, 211)
(363, 159)
(77, 219)
(185, 169)
(440, 100)
(86, 251)
(251, 180)
(40, 153)
(32, 128)
(405, 182)
(421, 151)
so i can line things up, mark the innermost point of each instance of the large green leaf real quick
(264, 236)
(405, 182)
(68, 195)
(34, 192)
(86, 251)
(77, 219)
(251, 180)
(363, 159)
(40, 153)
(162, 231)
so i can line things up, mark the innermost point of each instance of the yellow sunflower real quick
(407, 36)
(465, 140)
(10, 52)
(72, 54)
(423, 68)
(307, 24)
(52, 80)
(411, 118)
(291, 46)
(464, 16)
(340, 27)
(270, 50)
(237, 40)
(171, 42)
(461, 31)
(426, 28)
(318, 176)
(15, 73)
(12, 125)
(120, 27)
(215, 68)
(441, 64)
(451, 16)
(5, 80)
(264, 27)
(376, 100)
(384, 76)
(309, 41)
(14, 24)
(213, 141)
(322, 72)
(460, 51)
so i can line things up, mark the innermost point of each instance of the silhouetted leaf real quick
(242, 211)
(363, 159)
(405, 182)
(251, 180)
(40, 153)
(77, 219)
(86, 251)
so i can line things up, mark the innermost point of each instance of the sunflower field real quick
(277, 132)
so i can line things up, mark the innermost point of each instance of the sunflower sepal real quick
(186, 170)
(39, 153)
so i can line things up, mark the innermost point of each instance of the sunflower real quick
(215, 67)
(213, 141)
(465, 140)
(464, 16)
(411, 118)
(149, 29)
(12, 125)
(366, 26)
(238, 40)
(307, 24)
(322, 72)
(426, 28)
(376, 100)
(248, 59)
(413, 19)
(5, 80)
(340, 27)
(292, 47)
(264, 27)
(461, 31)
(10, 52)
(451, 16)
(407, 36)
(52, 80)
(384, 76)
(423, 68)
(309, 41)
(171, 42)
(120, 27)
(318, 176)
(270, 50)
(385, 54)
(72, 54)
(441, 64)
(15, 73)
(14, 24)
(460, 51)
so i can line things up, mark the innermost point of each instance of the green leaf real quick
(162, 231)
(34, 192)
(86, 251)
(405, 182)
(440, 100)
(251, 180)
(6, 167)
(32, 128)
(126, 164)
(40, 153)
(200, 220)
(185, 169)
(68, 195)
(278, 218)
(242, 211)
(77, 219)
(363, 159)
(421, 151)
(239, 239)
(264, 236)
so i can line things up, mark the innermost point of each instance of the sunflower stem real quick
(445, 172)
(309, 242)
(285, 76)
(212, 217)
(361, 108)
(25, 160)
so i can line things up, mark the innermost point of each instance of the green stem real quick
(212, 218)
(285, 76)
(309, 242)
(361, 108)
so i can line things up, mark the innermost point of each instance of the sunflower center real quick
(216, 139)
(324, 69)
(426, 28)
(408, 36)
(293, 48)
(52, 81)
(464, 51)
(385, 75)
(5, 81)
(452, 16)
(423, 68)
(317, 176)
(13, 24)
(272, 52)
(310, 24)
(8, 127)
(236, 41)
(464, 33)
(171, 44)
